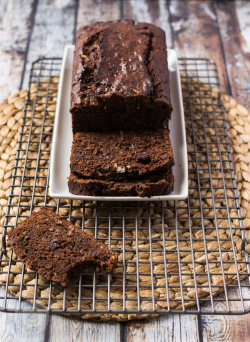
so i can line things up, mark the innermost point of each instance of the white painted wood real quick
(155, 12)
(164, 21)
(90, 11)
(53, 29)
(243, 14)
(236, 41)
(14, 33)
(17, 327)
(140, 11)
(169, 328)
(66, 329)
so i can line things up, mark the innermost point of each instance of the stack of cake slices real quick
(120, 107)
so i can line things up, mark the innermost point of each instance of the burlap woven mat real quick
(238, 121)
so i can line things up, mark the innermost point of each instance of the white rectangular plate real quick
(63, 137)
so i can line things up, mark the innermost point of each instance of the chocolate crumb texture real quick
(52, 246)
(120, 77)
(104, 156)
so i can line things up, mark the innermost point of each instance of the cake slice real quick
(120, 77)
(121, 156)
(52, 246)
(156, 185)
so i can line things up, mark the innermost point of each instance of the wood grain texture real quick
(155, 12)
(169, 328)
(77, 330)
(15, 25)
(16, 327)
(243, 12)
(54, 26)
(237, 48)
(226, 328)
(90, 11)
(196, 34)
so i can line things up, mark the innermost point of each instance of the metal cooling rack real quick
(195, 226)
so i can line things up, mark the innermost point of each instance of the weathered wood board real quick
(16, 327)
(218, 30)
(90, 11)
(83, 330)
(155, 12)
(54, 27)
(195, 33)
(169, 328)
(15, 26)
(237, 48)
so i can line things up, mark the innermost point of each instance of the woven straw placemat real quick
(238, 121)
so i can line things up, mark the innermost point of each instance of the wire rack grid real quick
(177, 256)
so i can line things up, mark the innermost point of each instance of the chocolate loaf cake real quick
(153, 186)
(120, 77)
(54, 247)
(121, 156)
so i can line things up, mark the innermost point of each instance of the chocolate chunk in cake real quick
(52, 246)
(121, 156)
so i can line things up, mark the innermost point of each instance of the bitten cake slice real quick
(54, 247)
(157, 185)
(121, 156)
(120, 77)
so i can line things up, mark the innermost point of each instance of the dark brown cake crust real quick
(52, 246)
(155, 186)
(121, 156)
(120, 77)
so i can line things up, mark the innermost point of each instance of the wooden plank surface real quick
(243, 12)
(169, 328)
(16, 327)
(237, 47)
(54, 26)
(90, 11)
(195, 32)
(226, 328)
(82, 330)
(15, 26)
(155, 12)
